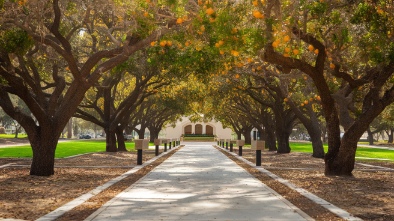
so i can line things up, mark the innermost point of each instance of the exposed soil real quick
(368, 195)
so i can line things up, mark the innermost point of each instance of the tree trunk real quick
(282, 134)
(154, 134)
(70, 129)
(270, 140)
(283, 142)
(370, 137)
(44, 147)
(343, 163)
(120, 139)
(141, 133)
(391, 136)
(17, 128)
(248, 137)
(239, 135)
(110, 140)
(314, 132)
(317, 145)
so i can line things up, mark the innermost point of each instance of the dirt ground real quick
(368, 195)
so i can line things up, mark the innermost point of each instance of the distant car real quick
(84, 136)
(128, 137)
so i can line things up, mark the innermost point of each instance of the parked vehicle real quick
(84, 136)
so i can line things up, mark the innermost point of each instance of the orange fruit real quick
(179, 21)
(163, 43)
(257, 14)
(210, 11)
(311, 48)
(296, 51)
(332, 66)
(235, 53)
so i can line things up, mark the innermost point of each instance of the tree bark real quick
(120, 139)
(154, 134)
(239, 135)
(370, 136)
(283, 141)
(270, 140)
(141, 133)
(248, 137)
(314, 132)
(44, 147)
(317, 145)
(110, 140)
(282, 133)
(391, 136)
(343, 163)
(70, 129)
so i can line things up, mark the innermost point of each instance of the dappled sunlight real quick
(198, 183)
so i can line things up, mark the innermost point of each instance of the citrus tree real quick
(346, 48)
(52, 52)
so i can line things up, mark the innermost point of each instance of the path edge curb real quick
(329, 206)
(85, 197)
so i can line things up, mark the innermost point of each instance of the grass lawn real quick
(198, 138)
(12, 136)
(361, 151)
(64, 149)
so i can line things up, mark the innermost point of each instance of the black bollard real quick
(165, 147)
(258, 157)
(139, 157)
(226, 145)
(157, 150)
(169, 145)
(231, 146)
(240, 151)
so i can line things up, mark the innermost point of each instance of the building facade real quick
(185, 126)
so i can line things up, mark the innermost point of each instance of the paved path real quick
(198, 183)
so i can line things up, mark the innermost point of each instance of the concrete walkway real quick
(198, 183)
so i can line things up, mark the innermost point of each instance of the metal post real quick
(169, 145)
(240, 151)
(157, 150)
(165, 147)
(222, 144)
(258, 157)
(139, 157)
(231, 147)
(226, 145)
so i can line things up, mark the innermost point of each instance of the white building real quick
(185, 126)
